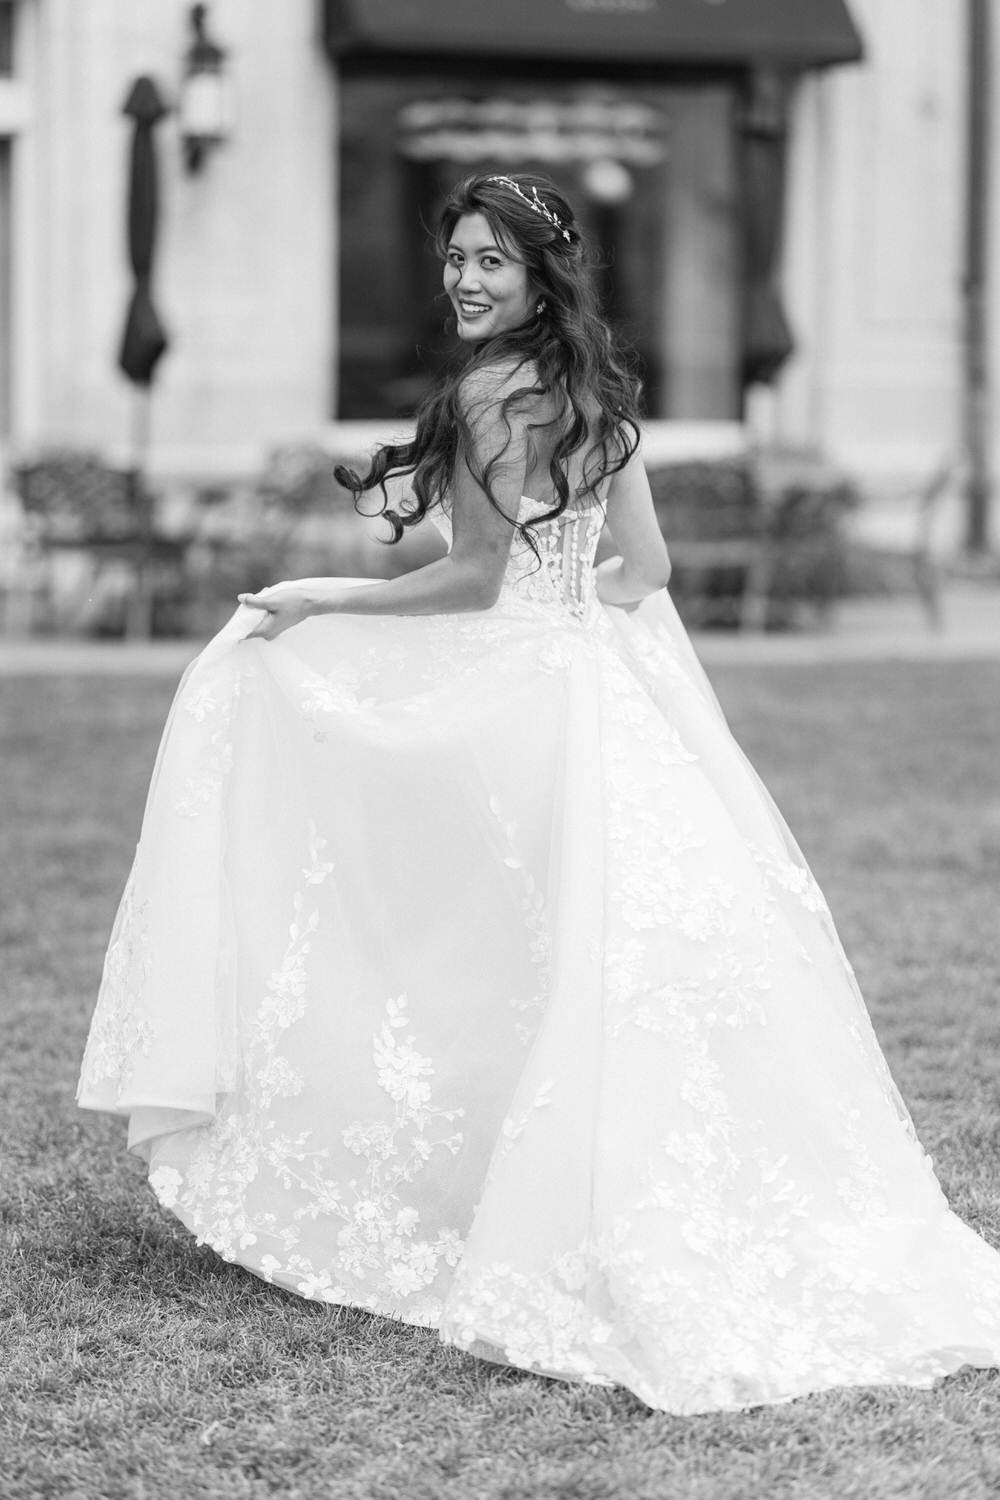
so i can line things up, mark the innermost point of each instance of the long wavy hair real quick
(567, 352)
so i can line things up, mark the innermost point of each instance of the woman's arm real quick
(469, 578)
(441, 587)
(644, 564)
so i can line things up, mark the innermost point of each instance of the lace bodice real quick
(563, 578)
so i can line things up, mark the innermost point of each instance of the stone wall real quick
(245, 278)
(874, 245)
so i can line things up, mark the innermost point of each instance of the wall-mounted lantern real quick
(206, 100)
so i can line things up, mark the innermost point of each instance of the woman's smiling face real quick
(488, 288)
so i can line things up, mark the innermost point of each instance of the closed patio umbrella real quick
(144, 339)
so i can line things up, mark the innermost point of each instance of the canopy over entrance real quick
(607, 33)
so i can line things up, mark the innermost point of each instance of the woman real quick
(466, 973)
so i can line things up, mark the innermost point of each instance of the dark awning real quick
(623, 33)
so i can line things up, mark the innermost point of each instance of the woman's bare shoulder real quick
(488, 385)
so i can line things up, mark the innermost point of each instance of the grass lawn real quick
(133, 1364)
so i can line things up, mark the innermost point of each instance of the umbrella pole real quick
(139, 610)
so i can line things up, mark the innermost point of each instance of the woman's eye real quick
(491, 262)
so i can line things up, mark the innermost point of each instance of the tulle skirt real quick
(466, 973)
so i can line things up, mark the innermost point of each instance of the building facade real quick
(293, 271)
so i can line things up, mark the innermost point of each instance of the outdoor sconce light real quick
(206, 105)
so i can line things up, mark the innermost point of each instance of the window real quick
(651, 169)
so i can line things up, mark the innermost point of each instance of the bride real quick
(467, 974)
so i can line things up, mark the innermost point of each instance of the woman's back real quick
(515, 427)
(619, 496)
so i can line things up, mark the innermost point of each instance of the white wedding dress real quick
(466, 973)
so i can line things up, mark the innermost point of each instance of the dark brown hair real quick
(566, 351)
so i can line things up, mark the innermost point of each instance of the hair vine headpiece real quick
(534, 203)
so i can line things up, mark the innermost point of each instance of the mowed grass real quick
(134, 1364)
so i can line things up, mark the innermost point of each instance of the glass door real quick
(651, 168)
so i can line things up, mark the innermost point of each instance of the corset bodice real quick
(562, 577)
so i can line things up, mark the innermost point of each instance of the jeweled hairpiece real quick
(534, 203)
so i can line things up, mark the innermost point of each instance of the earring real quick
(539, 308)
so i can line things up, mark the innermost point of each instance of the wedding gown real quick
(466, 973)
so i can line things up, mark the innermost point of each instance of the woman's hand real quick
(285, 605)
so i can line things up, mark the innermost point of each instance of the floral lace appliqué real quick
(119, 1032)
(379, 1258)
